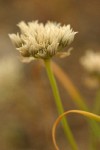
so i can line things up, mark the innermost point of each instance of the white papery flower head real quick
(91, 61)
(38, 40)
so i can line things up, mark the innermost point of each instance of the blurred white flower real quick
(37, 40)
(91, 62)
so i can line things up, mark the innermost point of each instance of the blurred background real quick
(27, 107)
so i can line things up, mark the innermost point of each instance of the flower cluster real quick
(38, 40)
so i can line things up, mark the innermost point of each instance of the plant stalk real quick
(59, 105)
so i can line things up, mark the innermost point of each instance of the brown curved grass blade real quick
(84, 113)
(68, 85)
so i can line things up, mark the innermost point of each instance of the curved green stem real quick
(84, 113)
(59, 105)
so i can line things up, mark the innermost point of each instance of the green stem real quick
(77, 98)
(96, 108)
(59, 105)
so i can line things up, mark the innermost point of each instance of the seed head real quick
(38, 40)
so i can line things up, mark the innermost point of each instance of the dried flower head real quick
(37, 40)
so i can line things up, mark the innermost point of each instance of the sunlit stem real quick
(69, 86)
(76, 96)
(96, 106)
(59, 105)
